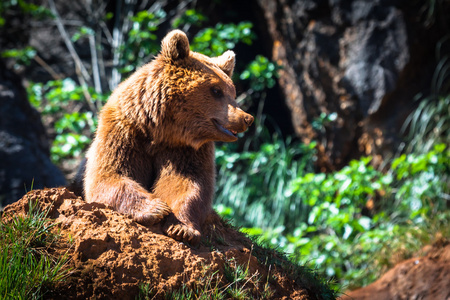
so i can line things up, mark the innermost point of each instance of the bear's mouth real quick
(222, 129)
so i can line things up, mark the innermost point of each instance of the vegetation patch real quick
(29, 267)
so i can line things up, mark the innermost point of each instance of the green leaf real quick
(253, 231)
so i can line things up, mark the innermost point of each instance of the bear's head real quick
(199, 96)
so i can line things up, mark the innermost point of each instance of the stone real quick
(24, 150)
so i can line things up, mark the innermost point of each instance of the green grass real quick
(207, 287)
(252, 185)
(323, 220)
(235, 283)
(429, 124)
(27, 268)
(301, 273)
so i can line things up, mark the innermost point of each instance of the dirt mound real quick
(426, 277)
(113, 257)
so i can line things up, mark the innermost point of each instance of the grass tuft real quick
(308, 277)
(27, 268)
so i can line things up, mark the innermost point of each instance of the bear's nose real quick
(248, 119)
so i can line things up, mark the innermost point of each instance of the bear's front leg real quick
(128, 197)
(189, 196)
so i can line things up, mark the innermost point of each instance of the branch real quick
(47, 68)
(95, 69)
(79, 67)
(78, 63)
(101, 63)
(116, 41)
(119, 32)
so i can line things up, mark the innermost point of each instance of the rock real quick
(24, 150)
(424, 277)
(360, 60)
(111, 255)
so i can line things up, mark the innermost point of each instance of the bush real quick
(72, 115)
(340, 232)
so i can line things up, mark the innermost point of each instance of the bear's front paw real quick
(151, 211)
(182, 232)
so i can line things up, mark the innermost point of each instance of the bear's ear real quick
(226, 62)
(175, 45)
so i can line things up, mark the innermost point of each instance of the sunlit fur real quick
(153, 153)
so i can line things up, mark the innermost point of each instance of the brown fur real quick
(153, 154)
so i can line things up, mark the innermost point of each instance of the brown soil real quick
(426, 277)
(111, 256)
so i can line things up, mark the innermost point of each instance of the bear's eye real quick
(217, 92)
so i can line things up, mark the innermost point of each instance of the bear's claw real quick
(152, 212)
(183, 233)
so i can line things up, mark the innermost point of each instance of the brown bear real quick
(153, 153)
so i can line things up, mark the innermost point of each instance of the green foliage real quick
(68, 145)
(22, 57)
(190, 17)
(207, 287)
(238, 276)
(82, 32)
(141, 41)
(75, 122)
(73, 131)
(272, 257)
(53, 96)
(145, 291)
(323, 119)
(261, 73)
(23, 7)
(336, 235)
(71, 139)
(27, 270)
(235, 283)
(423, 179)
(429, 123)
(215, 41)
(253, 185)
